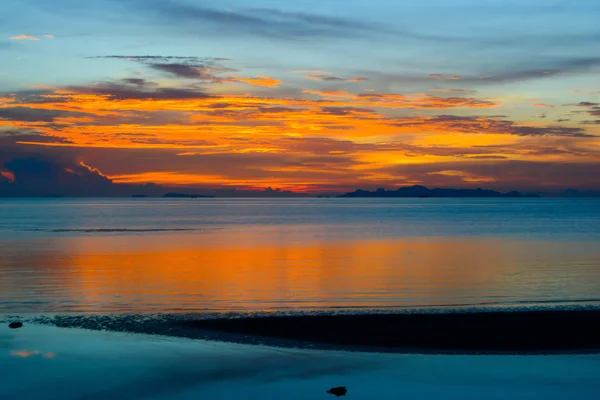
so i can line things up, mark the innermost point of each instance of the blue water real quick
(41, 362)
(563, 219)
(220, 255)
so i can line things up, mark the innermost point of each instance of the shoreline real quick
(517, 332)
(511, 332)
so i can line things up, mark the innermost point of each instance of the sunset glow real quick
(303, 101)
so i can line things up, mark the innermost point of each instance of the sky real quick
(313, 96)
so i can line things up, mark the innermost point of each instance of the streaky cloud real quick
(127, 90)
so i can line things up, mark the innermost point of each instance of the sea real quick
(296, 255)
(124, 261)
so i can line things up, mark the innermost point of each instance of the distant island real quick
(422, 191)
(185, 196)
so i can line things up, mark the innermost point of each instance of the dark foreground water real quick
(219, 255)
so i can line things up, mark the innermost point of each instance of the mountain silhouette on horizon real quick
(422, 191)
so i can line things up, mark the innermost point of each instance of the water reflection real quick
(232, 270)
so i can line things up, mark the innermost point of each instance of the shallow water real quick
(42, 362)
(219, 255)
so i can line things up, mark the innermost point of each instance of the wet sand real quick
(513, 332)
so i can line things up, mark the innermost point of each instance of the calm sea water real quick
(216, 255)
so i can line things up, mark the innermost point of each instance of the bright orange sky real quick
(316, 120)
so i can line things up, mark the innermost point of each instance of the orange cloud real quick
(465, 176)
(260, 80)
(301, 142)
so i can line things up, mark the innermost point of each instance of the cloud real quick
(583, 104)
(260, 80)
(329, 77)
(196, 71)
(158, 58)
(127, 90)
(564, 66)
(50, 36)
(452, 90)
(486, 75)
(271, 23)
(346, 110)
(445, 77)
(301, 143)
(27, 114)
(43, 176)
(544, 105)
(593, 109)
(206, 69)
(23, 37)
(486, 125)
(585, 92)
(392, 100)
(508, 174)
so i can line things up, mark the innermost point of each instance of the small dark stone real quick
(15, 325)
(338, 391)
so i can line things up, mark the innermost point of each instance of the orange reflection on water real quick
(227, 271)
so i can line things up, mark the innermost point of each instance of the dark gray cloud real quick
(202, 72)
(593, 109)
(549, 131)
(28, 96)
(42, 176)
(582, 104)
(136, 81)
(126, 90)
(477, 124)
(180, 70)
(27, 114)
(201, 68)
(9, 140)
(345, 110)
(53, 170)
